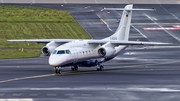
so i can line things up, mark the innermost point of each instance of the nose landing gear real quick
(57, 70)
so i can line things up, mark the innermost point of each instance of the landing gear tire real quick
(74, 68)
(57, 70)
(100, 68)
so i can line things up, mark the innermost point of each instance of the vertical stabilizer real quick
(122, 32)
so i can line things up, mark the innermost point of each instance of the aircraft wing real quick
(43, 40)
(118, 42)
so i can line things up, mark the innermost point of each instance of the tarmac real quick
(94, 1)
(148, 73)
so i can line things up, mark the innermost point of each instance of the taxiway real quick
(150, 74)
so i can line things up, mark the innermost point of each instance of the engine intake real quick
(48, 49)
(102, 52)
(45, 51)
(106, 51)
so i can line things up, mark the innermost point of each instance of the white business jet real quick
(87, 53)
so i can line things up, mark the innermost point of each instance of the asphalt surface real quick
(94, 1)
(150, 74)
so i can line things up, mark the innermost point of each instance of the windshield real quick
(54, 52)
(68, 52)
(61, 52)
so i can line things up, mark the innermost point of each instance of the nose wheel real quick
(58, 70)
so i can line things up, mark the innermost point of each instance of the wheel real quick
(57, 70)
(101, 68)
(74, 68)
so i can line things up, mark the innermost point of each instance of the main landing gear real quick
(99, 66)
(74, 68)
(57, 70)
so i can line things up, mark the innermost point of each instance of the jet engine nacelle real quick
(106, 51)
(48, 49)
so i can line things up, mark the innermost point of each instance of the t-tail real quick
(122, 32)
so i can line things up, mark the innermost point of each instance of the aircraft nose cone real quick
(53, 61)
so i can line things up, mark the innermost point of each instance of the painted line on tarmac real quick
(139, 89)
(25, 66)
(83, 72)
(47, 75)
(28, 99)
(96, 1)
(24, 78)
(150, 64)
(155, 23)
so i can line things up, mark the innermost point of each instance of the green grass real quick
(34, 23)
(7, 54)
(28, 14)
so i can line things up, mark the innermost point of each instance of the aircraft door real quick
(74, 55)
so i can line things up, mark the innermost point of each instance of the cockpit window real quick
(54, 52)
(68, 52)
(61, 52)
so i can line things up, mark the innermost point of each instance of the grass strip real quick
(34, 23)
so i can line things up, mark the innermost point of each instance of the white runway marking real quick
(16, 99)
(96, 1)
(115, 67)
(24, 78)
(104, 22)
(65, 1)
(162, 27)
(33, 1)
(107, 25)
(140, 89)
(170, 13)
(139, 31)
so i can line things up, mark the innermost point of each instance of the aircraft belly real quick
(80, 61)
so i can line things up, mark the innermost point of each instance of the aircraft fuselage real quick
(80, 53)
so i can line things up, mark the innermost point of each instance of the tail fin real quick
(122, 32)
